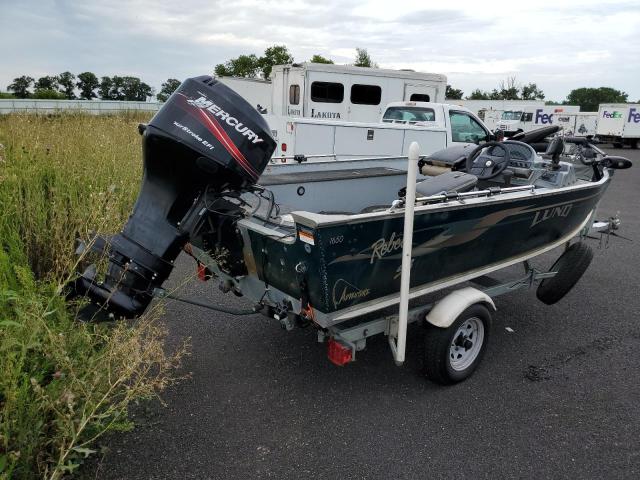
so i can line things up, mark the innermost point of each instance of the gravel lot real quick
(557, 398)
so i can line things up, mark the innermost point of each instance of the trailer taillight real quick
(204, 273)
(284, 147)
(338, 353)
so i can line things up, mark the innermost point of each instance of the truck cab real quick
(461, 124)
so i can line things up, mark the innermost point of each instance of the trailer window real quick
(366, 94)
(420, 97)
(409, 115)
(294, 94)
(327, 92)
(465, 128)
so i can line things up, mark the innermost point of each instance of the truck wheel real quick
(570, 267)
(452, 354)
(634, 144)
(617, 145)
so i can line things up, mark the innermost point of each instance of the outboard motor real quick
(205, 140)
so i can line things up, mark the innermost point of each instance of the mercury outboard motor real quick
(205, 140)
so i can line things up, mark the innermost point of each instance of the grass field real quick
(63, 383)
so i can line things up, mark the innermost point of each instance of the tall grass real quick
(63, 384)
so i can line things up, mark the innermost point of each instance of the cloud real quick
(558, 46)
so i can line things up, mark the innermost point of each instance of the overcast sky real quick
(559, 45)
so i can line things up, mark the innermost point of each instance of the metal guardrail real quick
(90, 106)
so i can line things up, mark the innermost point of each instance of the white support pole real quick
(407, 241)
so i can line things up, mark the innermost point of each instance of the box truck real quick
(619, 124)
(581, 124)
(527, 118)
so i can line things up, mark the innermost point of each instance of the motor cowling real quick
(205, 139)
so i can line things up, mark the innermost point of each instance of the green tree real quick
(453, 93)
(363, 59)
(87, 84)
(478, 94)
(48, 94)
(134, 89)
(116, 92)
(168, 87)
(590, 98)
(220, 70)
(47, 82)
(274, 55)
(105, 88)
(531, 92)
(508, 89)
(243, 66)
(20, 86)
(320, 59)
(67, 81)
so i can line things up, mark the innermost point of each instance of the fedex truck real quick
(619, 124)
(490, 111)
(527, 118)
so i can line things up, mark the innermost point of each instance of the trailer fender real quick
(447, 310)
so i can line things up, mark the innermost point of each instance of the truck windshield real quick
(409, 115)
(511, 115)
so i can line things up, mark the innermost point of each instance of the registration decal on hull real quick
(306, 235)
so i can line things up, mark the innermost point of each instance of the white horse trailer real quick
(347, 93)
(255, 91)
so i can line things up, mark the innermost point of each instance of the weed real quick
(62, 383)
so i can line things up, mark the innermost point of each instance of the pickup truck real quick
(434, 126)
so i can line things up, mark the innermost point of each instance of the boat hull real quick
(343, 266)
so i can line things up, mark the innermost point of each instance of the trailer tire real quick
(634, 144)
(617, 145)
(448, 358)
(570, 266)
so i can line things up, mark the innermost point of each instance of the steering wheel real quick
(486, 166)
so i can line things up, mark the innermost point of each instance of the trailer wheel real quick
(634, 144)
(570, 267)
(452, 354)
(617, 145)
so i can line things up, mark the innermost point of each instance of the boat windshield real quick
(509, 115)
(409, 114)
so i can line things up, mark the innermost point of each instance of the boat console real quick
(524, 165)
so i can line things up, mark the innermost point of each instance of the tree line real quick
(87, 85)
(510, 89)
(252, 66)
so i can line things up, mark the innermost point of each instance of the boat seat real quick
(446, 182)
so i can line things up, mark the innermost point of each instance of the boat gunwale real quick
(319, 220)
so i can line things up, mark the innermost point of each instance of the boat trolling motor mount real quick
(205, 141)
